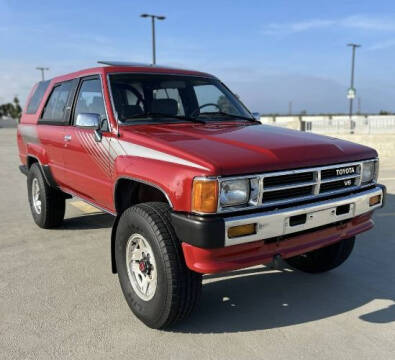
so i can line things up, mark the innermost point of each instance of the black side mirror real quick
(99, 131)
(98, 135)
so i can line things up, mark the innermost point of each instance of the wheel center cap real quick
(142, 266)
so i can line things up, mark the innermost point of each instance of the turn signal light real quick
(374, 200)
(241, 230)
(205, 196)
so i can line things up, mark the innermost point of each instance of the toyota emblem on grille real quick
(345, 171)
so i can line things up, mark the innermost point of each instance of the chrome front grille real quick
(286, 187)
(279, 187)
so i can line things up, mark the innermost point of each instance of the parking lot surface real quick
(59, 299)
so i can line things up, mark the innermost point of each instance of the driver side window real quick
(90, 99)
(131, 98)
(210, 94)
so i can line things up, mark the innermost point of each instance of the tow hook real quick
(277, 262)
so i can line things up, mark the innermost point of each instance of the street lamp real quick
(42, 69)
(351, 90)
(153, 17)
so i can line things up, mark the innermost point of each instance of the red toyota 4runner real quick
(196, 184)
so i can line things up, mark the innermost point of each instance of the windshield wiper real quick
(158, 115)
(229, 115)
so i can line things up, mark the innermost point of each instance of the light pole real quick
(351, 90)
(42, 69)
(153, 17)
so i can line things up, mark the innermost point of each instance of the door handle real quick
(67, 138)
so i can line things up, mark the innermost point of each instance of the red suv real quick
(196, 184)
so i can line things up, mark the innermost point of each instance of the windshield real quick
(154, 97)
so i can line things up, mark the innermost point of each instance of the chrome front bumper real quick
(280, 222)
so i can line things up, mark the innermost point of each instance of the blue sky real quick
(269, 52)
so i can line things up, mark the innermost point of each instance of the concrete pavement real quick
(59, 300)
(8, 123)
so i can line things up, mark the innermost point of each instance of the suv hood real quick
(234, 148)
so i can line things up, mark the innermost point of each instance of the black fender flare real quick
(113, 236)
(45, 170)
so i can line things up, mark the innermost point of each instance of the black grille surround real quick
(284, 188)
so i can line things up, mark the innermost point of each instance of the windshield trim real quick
(158, 121)
(162, 121)
(150, 121)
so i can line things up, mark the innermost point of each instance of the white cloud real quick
(360, 22)
(383, 45)
(363, 22)
(277, 28)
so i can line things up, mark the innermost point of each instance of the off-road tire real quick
(53, 202)
(178, 289)
(324, 259)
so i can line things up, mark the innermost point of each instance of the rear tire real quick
(173, 290)
(324, 259)
(47, 204)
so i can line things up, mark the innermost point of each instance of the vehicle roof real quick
(132, 68)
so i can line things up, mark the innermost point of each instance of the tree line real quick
(11, 109)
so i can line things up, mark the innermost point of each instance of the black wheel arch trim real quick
(45, 170)
(48, 176)
(118, 215)
(142, 182)
(113, 236)
(23, 169)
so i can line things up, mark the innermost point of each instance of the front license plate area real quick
(318, 218)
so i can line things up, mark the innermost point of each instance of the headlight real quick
(369, 171)
(210, 194)
(234, 192)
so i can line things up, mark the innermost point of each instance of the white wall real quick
(336, 124)
(376, 131)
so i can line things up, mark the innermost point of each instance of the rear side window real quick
(36, 98)
(55, 109)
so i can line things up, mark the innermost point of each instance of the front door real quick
(87, 162)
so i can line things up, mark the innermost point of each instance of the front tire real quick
(324, 259)
(46, 203)
(157, 285)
